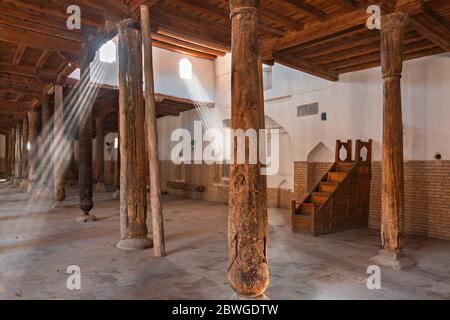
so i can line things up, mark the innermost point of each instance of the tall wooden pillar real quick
(17, 153)
(248, 271)
(59, 191)
(24, 155)
(85, 174)
(152, 137)
(33, 152)
(133, 202)
(46, 166)
(392, 188)
(12, 154)
(7, 154)
(99, 166)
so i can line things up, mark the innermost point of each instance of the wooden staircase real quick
(340, 200)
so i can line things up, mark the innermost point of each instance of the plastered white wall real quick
(354, 111)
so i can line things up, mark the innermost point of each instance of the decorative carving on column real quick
(133, 193)
(248, 271)
(392, 184)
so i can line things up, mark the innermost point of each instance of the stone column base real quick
(17, 181)
(86, 218)
(135, 244)
(99, 187)
(394, 260)
(32, 187)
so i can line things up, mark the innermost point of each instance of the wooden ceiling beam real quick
(176, 23)
(37, 40)
(305, 66)
(26, 71)
(55, 9)
(332, 26)
(346, 4)
(186, 44)
(36, 23)
(282, 19)
(183, 50)
(431, 26)
(21, 48)
(308, 9)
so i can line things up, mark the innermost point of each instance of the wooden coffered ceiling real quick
(321, 37)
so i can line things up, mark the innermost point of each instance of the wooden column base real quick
(99, 187)
(135, 244)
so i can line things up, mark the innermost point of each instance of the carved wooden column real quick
(59, 190)
(12, 154)
(152, 137)
(33, 152)
(46, 167)
(133, 202)
(24, 155)
(85, 174)
(7, 154)
(392, 189)
(248, 272)
(99, 166)
(17, 154)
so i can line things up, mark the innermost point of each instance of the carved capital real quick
(249, 7)
(394, 21)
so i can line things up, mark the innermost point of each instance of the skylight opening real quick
(108, 52)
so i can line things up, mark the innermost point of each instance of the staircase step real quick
(327, 186)
(344, 165)
(336, 176)
(320, 197)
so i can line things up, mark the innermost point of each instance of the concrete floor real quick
(37, 243)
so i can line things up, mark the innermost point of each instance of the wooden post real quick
(152, 137)
(24, 155)
(248, 272)
(59, 191)
(17, 153)
(46, 166)
(7, 154)
(85, 133)
(392, 189)
(12, 154)
(99, 166)
(133, 193)
(33, 152)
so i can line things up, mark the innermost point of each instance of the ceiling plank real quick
(308, 9)
(186, 44)
(37, 40)
(432, 29)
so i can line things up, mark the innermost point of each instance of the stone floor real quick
(38, 243)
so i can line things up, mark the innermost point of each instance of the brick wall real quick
(210, 177)
(427, 198)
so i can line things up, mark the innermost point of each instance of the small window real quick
(185, 69)
(267, 78)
